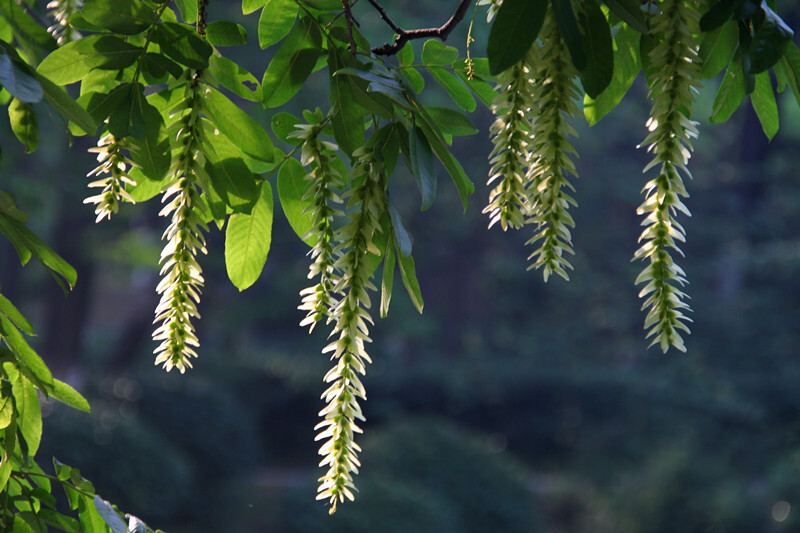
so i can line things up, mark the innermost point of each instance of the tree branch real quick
(348, 16)
(403, 36)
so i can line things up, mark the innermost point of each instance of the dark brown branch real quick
(403, 36)
(348, 16)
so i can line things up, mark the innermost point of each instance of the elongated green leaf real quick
(435, 53)
(69, 63)
(717, 49)
(451, 121)
(631, 12)
(763, 100)
(151, 152)
(234, 77)
(248, 6)
(292, 64)
(515, 27)
(60, 521)
(30, 412)
(277, 19)
(348, 116)
(225, 33)
(66, 394)
(626, 68)
(568, 26)
(730, 95)
(408, 273)
(477, 84)
(182, 44)
(406, 55)
(28, 361)
(401, 236)
(387, 280)
(769, 41)
(9, 228)
(239, 127)
(717, 15)
(188, 9)
(421, 158)
(462, 182)
(112, 53)
(24, 124)
(788, 70)
(247, 241)
(17, 81)
(457, 90)
(15, 316)
(235, 184)
(110, 516)
(66, 106)
(599, 49)
(29, 33)
(45, 255)
(292, 189)
(128, 17)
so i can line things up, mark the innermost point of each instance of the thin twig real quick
(403, 36)
(348, 16)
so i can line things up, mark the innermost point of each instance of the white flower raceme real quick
(115, 165)
(511, 136)
(556, 94)
(350, 316)
(674, 61)
(325, 179)
(182, 277)
(61, 11)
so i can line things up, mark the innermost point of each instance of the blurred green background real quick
(510, 405)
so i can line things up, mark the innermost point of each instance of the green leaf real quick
(128, 17)
(60, 521)
(408, 273)
(477, 84)
(29, 33)
(47, 257)
(515, 27)
(239, 127)
(292, 189)
(247, 241)
(234, 77)
(568, 26)
(9, 227)
(182, 44)
(387, 280)
(5, 469)
(66, 106)
(151, 152)
(626, 69)
(599, 48)
(450, 121)
(24, 124)
(17, 81)
(188, 9)
(69, 63)
(66, 394)
(763, 100)
(348, 116)
(283, 124)
(406, 54)
(462, 182)
(435, 53)
(717, 49)
(629, 11)
(248, 6)
(112, 53)
(788, 70)
(28, 361)
(15, 316)
(401, 236)
(769, 41)
(145, 187)
(730, 95)
(457, 90)
(422, 167)
(235, 184)
(29, 409)
(292, 64)
(109, 515)
(277, 19)
(225, 33)
(717, 15)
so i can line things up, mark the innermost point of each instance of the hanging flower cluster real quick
(325, 180)
(530, 160)
(61, 10)
(113, 163)
(350, 315)
(675, 63)
(556, 94)
(182, 277)
(511, 137)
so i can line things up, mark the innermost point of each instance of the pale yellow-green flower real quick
(182, 278)
(318, 299)
(674, 62)
(555, 93)
(366, 201)
(114, 167)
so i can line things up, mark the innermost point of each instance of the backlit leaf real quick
(247, 241)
